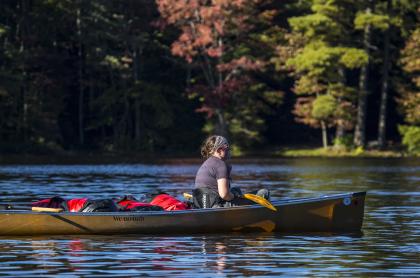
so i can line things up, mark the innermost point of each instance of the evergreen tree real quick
(409, 100)
(399, 18)
(325, 99)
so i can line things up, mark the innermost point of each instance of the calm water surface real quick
(388, 246)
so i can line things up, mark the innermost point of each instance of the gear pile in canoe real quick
(127, 203)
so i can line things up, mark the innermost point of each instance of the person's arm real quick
(223, 188)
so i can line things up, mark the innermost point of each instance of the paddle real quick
(37, 209)
(41, 209)
(259, 200)
(255, 198)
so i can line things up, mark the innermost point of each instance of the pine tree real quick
(409, 100)
(368, 20)
(325, 100)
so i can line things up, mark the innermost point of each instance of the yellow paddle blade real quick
(187, 195)
(259, 200)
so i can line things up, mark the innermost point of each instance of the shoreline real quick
(342, 153)
(189, 158)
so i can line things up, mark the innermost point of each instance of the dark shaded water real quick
(388, 246)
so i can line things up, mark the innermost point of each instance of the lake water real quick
(388, 246)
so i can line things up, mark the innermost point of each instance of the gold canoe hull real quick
(335, 213)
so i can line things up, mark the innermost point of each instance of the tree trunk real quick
(188, 77)
(23, 125)
(123, 127)
(137, 112)
(221, 125)
(137, 128)
(23, 106)
(339, 132)
(384, 88)
(324, 134)
(80, 74)
(360, 130)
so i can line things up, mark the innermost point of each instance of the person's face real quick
(223, 153)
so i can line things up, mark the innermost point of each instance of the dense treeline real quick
(144, 75)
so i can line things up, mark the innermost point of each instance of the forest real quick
(158, 76)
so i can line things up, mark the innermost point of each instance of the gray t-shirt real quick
(210, 171)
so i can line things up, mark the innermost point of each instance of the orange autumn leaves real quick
(210, 34)
(203, 24)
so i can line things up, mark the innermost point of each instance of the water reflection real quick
(233, 254)
(389, 245)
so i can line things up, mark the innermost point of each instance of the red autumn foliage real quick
(303, 110)
(220, 96)
(243, 63)
(208, 32)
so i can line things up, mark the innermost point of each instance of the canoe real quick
(334, 213)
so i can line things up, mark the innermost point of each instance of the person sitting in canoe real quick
(212, 181)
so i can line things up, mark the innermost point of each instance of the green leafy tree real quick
(409, 100)
(30, 65)
(320, 64)
(86, 74)
(131, 107)
(366, 20)
(398, 20)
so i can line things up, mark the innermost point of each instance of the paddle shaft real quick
(20, 207)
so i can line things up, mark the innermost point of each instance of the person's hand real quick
(236, 192)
